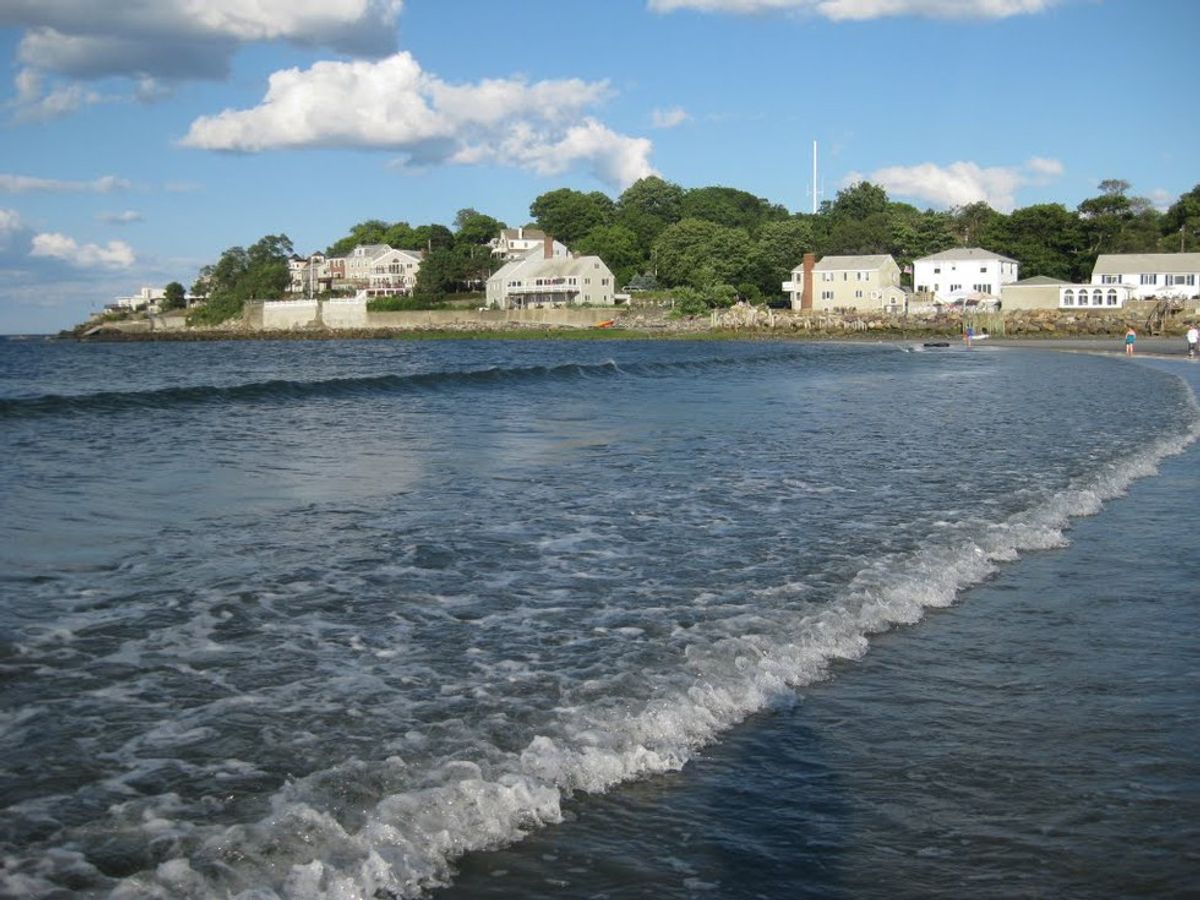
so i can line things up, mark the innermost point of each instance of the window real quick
(827, 276)
(826, 295)
(858, 295)
(982, 288)
(1112, 297)
(983, 270)
(1110, 279)
(1149, 278)
(937, 270)
(1068, 297)
(955, 287)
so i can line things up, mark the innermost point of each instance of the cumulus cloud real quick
(961, 183)
(391, 104)
(669, 118)
(21, 184)
(125, 217)
(113, 255)
(156, 42)
(862, 10)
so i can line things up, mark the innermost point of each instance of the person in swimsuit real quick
(1130, 337)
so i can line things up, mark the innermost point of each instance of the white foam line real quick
(410, 840)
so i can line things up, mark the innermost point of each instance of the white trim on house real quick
(1164, 275)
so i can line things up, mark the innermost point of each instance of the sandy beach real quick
(1146, 346)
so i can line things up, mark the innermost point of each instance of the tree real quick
(476, 228)
(617, 245)
(975, 224)
(779, 248)
(258, 273)
(568, 215)
(647, 207)
(859, 201)
(730, 207)
(700, 253)
(1181, 222)
(399, 235)
(432, 237)
(1046, 239)
(372, 231)
(174, 297)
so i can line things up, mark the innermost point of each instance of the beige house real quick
(1043, 292)
(849, 282)
(546, 280)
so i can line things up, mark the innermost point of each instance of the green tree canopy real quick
(372, 231)
(174, 297)
(617, 245)
(258, 273)
(476, 228)
(648, 206)
(730, 207)
(568, 215)
(701, 253)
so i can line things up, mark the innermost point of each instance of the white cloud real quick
(670, 118)
(862, 10)
(125, 217)
(21, 184)
(10, 224)
(156, 42)
(113, 255)
(391, 104)
(961, 183)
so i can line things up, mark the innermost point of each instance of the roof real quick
(964, 253)
(523, 234)
(1122, 263)
(537, 267)
(1040, 279)
(838, 263)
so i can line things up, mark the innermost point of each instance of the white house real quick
(514, 243)
(1163, 275)
(963, 272)
(548, 280)
(1042, 292)
(145, 298)
(849, 282)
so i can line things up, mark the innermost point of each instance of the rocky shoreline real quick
(741, 322)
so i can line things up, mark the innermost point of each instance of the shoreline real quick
(1154, 346)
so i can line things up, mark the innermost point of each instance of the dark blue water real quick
(329, 619)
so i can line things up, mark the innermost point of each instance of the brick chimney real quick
(806, 297)
(548, 247)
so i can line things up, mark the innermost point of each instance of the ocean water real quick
(669, 619)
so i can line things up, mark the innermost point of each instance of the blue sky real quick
(141, 138)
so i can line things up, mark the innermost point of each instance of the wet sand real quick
(1145, 346)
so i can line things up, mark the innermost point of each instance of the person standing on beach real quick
(1193, 338)
(1130, 337)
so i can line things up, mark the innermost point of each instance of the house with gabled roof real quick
(547, 280)
(514, 243)
(849, 282)
(1165, 275)
(963, 272)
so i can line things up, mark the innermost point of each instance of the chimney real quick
(548, 247)
(806, 297)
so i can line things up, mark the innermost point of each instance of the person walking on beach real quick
(1130, 337)
(1193, 338)
(969, 336)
